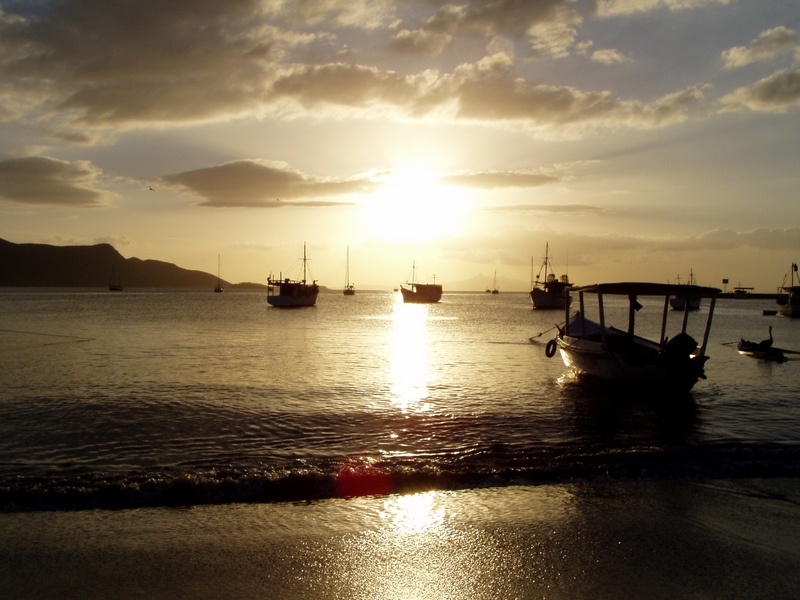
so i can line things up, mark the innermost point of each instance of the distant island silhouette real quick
(43, 265)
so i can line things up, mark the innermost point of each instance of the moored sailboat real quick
(115, 285)
(349, 289)
(288, 293)
(218, 289)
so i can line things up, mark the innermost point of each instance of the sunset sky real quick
(641, 138)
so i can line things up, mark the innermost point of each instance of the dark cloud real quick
(550, 208)
(775, 93)
(484, 91)
(548, 26)
(38, 181)
(498, 179)
(251, 183)
(346, 85)
(144, 61)
(495, 17)
(91, 63)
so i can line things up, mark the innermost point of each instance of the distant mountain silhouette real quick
(42, 265)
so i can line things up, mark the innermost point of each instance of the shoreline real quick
(722, 538)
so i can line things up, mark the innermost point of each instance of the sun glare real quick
(411, 206)
(409, 365)
(413, 513)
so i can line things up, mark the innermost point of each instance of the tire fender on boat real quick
(550, 349)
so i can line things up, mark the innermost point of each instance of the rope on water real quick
(534, 339)
(75, 338)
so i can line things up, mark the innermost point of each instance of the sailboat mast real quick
(304, 262)
(532, 279)
(546, 259)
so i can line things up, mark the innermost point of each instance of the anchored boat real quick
(550, 293)
(349, 289)
(421, 293)
(789, 298)
(289, 293)
(595, 349)
(680, 302)
(218, 289)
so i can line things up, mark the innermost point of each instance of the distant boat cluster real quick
(590, 348)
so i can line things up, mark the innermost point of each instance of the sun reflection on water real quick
(413, 513)
(409, 374)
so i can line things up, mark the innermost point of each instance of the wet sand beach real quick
(717, 539)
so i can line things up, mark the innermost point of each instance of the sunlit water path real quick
(170, 398)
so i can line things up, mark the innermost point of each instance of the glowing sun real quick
(412, 206)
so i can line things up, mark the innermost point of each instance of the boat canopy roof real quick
(635, 288)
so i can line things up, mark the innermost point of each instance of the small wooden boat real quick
(594, 349)
(763, 350)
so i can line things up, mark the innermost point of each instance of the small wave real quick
(372, 477)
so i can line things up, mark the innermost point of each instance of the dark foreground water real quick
(124, 400)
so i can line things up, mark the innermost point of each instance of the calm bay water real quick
(169, 398)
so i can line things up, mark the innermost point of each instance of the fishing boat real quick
(550, 293)
(218, 289)
(789, 297)
(349, 289)
(596, 350)
(420, 293)
(291, 293)
(763, 350)
(681, 302)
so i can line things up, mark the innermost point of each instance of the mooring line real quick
(540, 334)
(77, 338)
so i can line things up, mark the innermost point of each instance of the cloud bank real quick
(43, 181)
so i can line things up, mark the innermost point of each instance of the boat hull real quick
(592, 349)
(788, 303)
(756, 350)
(680, 302)
(422, 293)
(292, 302)
(544, 300)
(289, 294)
(589, 359)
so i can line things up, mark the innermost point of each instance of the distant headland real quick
(43, 265)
